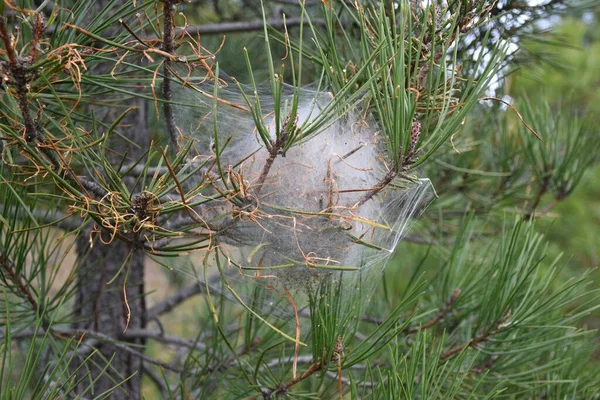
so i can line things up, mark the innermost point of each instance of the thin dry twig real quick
(529, 128)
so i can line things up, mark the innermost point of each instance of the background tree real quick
(120, 128)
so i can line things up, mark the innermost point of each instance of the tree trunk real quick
(103, 307)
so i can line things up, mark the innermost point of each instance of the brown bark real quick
(101, 307)
(104, 307)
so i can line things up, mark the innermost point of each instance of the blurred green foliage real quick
(569, 81)
(573, 79)
(568, 69)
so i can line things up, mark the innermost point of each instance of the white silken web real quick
(314, 221)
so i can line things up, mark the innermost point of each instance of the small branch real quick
(551, 205)
(173, 301)
(10, 50)
(461, 347)
(265, 171)
(307, 359)
(19, 71)
(284, 387)
(24, 334)
(169, 48)
(348, 382)
(389, 177)
(486, 365)
(137, 169)
(408, 159)
(189, 291)
(274, 150)
(88, 185)
(278, 361)
(441, 315)
(484, 337)
(9, 267)
(543, 190)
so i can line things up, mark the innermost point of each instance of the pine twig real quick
(387, 179)
(274, 151)
(9, 267)
(20, 73)
(189, 291)
(536, 202)
(441, 315)
(284, 387)
(173, 301)
(101, 337)
(169, 48)
(484, 337)
(485, 365)
(407, 160)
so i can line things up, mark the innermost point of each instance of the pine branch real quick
(284, 387)
(440, 316)
(169, 48)
(407, 160)
(544, 185)
(274, 149)
(387, 179)
(171, 302)
(19, 68)
(186, 293)
(19, 71)
(108, 339)
(477, 339)
(334, 375)
(23, 287)
(485, 366)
